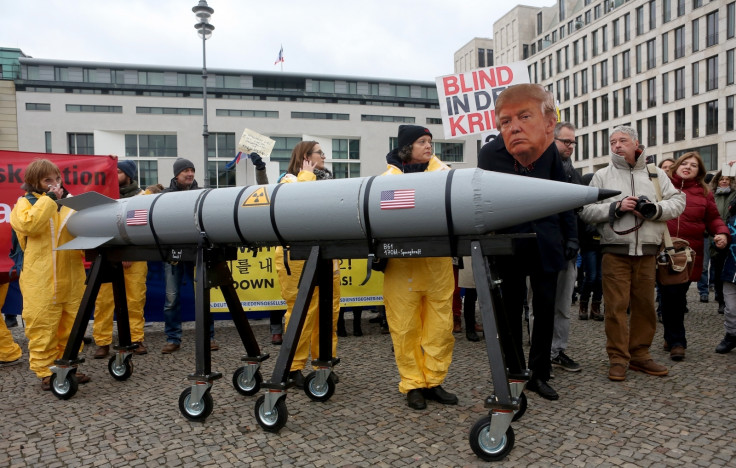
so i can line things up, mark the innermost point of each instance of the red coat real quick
(700, 215)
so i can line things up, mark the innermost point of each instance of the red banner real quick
(79, 174)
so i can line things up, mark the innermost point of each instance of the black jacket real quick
(174, 187)
(552, 231)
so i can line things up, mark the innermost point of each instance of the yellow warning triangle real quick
(257, 198)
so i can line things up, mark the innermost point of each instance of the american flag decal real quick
(397, 199)
(137, 218)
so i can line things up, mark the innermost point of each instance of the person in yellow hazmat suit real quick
(135, 283)
(52, 281)
(418, 292)
(307, 164)
(10, 352)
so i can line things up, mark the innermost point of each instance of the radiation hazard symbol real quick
(257, 198)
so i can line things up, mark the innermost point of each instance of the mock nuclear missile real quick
(430, 204)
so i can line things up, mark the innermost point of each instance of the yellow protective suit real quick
(52, 281)
(417, 293)
(9, 349)
(309, 338)
(135, 292)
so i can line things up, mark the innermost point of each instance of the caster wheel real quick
(64, 389)
(243, 385)
(195, 410)
(274, 420)
(319, 392)
(485, 447)
(522, 407)
(122, 371)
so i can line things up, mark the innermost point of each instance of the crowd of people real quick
(606, 252)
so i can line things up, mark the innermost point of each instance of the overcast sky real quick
(400, 39)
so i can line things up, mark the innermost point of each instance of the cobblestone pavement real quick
(685, 419)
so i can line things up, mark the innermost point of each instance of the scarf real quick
(129, 190)
(323, 174)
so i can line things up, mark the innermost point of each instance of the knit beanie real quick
(180, 164)
(129, 167)
(408, 134)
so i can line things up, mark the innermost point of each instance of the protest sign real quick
(467, 100)
(251, 142)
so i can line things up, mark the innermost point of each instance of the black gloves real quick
(571, 249)
(257, 161)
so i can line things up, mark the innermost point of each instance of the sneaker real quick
(564, 361)
(415, 399)
(170, 348)
(703, 298)
(617, 372)
(727, 344)
(297, 377)
(677, 353)
(440, 395)
(649, 367)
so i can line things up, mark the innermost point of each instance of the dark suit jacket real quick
(552, 231)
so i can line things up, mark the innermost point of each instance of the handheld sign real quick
(467, 100)
(251, 141)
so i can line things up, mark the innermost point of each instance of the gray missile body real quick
(430, 204)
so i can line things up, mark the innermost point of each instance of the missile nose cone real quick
(605, 193)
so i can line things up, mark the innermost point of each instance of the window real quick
(652, 131)
(586, 147)
(679, 124)
(150, 145)
(47, 140)
(388, 118)
(604, 107)
(81, 143)
(729, 113)
(665, 49)
(348, 151)
(639, 93)
(91, 108)
(219, 176)
(711, 117)
(711, 29)
(597, 11)
(615, 104)
(696, 78)
(584, 81)
(614, 71)
(221, 145)
(680, 7)
(605, 145)
(627, 27)
(666, 11)
(38, 106)
(247, 113)
(539, 23)
(575, 56)
(698, 3)
(651, 54)
(665, 128)
(696, 35)
(652, 15)
(680, 83)
(625, 67)
(595, 114)
(147, 172)
(585, 49)
(696, 120)
(627, 100)
(559, 61)
(651, 93)
(584, 111)
(432, 121)
(680, 42)
(604, 73)
(711, 73)
(594, 70)
(731, 20)
(575, 92)
(157, 79)
(604, 38)
(449, 152)
(281, 151)
(639, 54)
(640, 21)
(168, 110)
(595, 42)
(320, 115)
(665, 88)
(730, 67)
(616, 37)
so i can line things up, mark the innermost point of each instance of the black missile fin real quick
(86, 200)
(605, 193)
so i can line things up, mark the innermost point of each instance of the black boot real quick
(727, 344)
(341, 325)
(357, 330)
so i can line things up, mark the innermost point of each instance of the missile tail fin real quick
(86, 200)
(605, 193)
(84, 243)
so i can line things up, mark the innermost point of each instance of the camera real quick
(646, 207)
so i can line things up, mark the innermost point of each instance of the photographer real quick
(629, 242)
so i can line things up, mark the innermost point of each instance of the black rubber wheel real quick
(64, 389)
(245, 387)
(274, 420)
(123, 371)
(195, 410)
(484, 447)
(319, 392)
(522, 407)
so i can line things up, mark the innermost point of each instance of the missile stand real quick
(195, 402)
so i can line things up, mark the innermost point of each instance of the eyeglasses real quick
(320, 152)
(567, 142)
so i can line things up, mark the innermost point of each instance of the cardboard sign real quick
(251, 141)
(467, 100)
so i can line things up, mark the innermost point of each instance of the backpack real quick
(16, 253)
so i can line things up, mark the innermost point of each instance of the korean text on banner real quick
(251, 141)
(467, 100)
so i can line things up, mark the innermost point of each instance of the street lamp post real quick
(204, 29)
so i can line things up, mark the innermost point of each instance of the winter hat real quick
(129, 167)
(408, 134)
(180, 164)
